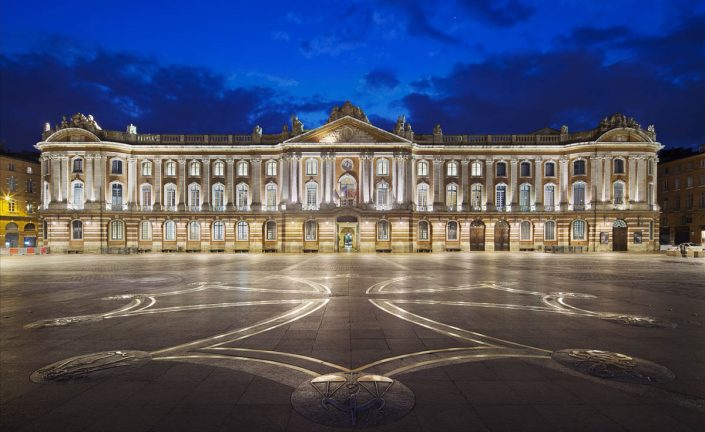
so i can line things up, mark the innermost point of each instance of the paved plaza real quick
(425, 342)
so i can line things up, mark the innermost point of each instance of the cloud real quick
(119, 88)
(500, 13)
(379, 79)
(661, 81)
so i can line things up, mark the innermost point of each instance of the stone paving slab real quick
(231, 337)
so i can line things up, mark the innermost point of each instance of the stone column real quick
(632, 197)
(564, 182)
(464, 193)
(182, 188)
(538, 184)
(489, 184)
(256, 184)
(401, 179)
(99, 178)
(65, 176)
(438, 189)
(294, 176)
(364, 192)
(230, 185)
(131, 183)
(205, 184)
(284, 179)
(641, 179)
(371, 184)
(55, 169)
(598, 180)
(158, 183)
(89, 194)
(607, 183)
(513, 191)
(411, 198)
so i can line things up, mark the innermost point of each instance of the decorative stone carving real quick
(348, 134)
(399, 127)
(79, 120)
(437, 130)
(297, 128)
(564, 130)
(348, 109)
(616, 121)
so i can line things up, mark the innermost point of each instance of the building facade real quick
(349, 186)
(20, 182)
(681, 195)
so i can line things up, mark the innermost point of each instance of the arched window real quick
(422, 196)
(116, 166)
(194, 169)
(218, 198)
(348, 190)
(383, 230)
(476, 169)
(243, 231)
(311, 167)
(310, 230)
(194, 196)
(145, 230)
(117, 230)
(169, 230)
(549, 231)
(77, 194)
(501, 169)
(270, 231)
(271, 168)
(218, 169)
(78, 165)
(452, 231)
(452, 196)
(618, 166)
(578, 229)
(618, 193)
(578, 195)
(76, 230)
(382, 194)
(194, 231)
(476, 196)
(243, 169)
(423, 231)
(452, 169)
(549, 197)
(170, 196)
(270, 196)
(170, 169)
(311, 196)
(525, 197)
(29, 227)
(549, 170)
(382, 167)
(116, 196)
(242, 196)
(218, 231)
(146, 168)
(500, 201)
(579, 167)
(422, 168)
(525, 231)
(146, 196)
(525, 169)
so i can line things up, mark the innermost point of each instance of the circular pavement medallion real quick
(639, 321)
(614, 366)
(352, 400)
(90, 366)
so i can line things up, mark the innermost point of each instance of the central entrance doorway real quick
(619, 236)
(501, 236)
(477, 236)
(347, 234)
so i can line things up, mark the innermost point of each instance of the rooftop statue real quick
(618, 120)
(348, 109)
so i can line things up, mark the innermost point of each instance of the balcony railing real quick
(269, 208)
(475, 208)
(348, 202)
(423, 208)
(218, 208)
(500, 208)
(169, 208)
(549, 207)
(242, 208)
(579, 207)
(115, 206)
(146, 208)
(194, 208)
(524, 208)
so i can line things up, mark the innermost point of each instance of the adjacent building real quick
(20, 198)
(348, 185)
(681, 195)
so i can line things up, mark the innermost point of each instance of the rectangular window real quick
(676, 183)
(145, 231)
(116, 167)
(550, 170)
(689, 181)
(702, 199)
(12, 206)
(423, 231)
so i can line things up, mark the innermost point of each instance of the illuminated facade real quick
(19, 201)
(349, 186)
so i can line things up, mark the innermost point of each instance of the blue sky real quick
(508, 66)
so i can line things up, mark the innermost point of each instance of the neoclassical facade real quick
(349, 186)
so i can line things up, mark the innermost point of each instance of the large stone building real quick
(349, 186)
(681, 195)
(20, 183)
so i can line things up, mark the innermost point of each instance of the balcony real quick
(169, 208)
(423, 208)
(524, 208)
(194, 208)
(218, 208)
(348, 202)
(476, 208)
(242, 208)
(269, 208)
(549, 208)
(147, 208)
(500, 208)
(116, 206)
(579, 207)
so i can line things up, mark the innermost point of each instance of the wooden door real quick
(477, 238)
(501, 236)
(619, 239)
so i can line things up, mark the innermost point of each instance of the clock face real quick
(347, 164)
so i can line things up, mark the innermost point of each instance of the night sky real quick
(510, 66)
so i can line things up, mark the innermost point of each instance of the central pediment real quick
(347, 130)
